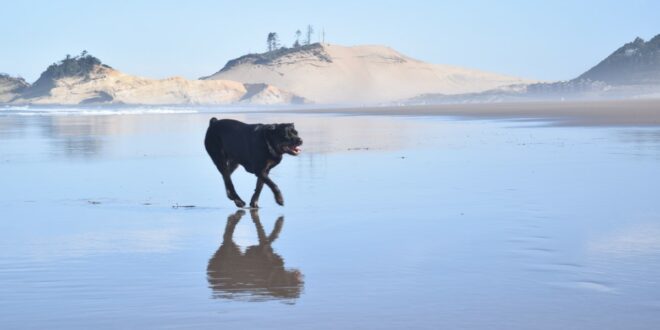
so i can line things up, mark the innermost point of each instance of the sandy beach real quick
(643, 112)
(404, 219)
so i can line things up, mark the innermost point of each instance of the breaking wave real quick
(62, 111)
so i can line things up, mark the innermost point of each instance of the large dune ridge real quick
(328, 73)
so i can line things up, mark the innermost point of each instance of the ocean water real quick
(120, 221)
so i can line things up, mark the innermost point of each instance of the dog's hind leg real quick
(230, 167)
(226, 168)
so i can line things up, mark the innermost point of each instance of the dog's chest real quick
(270, 163)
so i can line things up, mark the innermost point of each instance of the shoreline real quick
(644, 112)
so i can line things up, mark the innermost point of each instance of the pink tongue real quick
(296, 149)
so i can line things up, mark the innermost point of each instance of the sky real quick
(546, 40)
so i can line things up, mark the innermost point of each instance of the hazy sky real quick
(534, 39)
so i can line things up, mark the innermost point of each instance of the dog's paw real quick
(279, 199)
(239, 202)
(254, 204)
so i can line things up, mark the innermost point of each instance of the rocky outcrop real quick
(11, 87)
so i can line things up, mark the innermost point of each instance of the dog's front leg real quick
(254, 202)
(273, 187)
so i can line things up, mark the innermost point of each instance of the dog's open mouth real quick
(293, 150)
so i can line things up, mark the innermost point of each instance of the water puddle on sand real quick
(427, 222)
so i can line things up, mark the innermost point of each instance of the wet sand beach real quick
(393, 218)
(642, 112)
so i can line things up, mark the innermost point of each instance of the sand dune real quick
(361, 74)
(104, 85)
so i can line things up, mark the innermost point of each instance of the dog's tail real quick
(212, 138)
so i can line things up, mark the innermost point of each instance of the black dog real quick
(258, 148)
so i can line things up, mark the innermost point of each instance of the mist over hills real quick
(635, 63)
(631, 71)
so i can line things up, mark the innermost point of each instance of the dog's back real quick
(230, 137)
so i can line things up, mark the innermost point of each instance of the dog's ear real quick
(269, 130)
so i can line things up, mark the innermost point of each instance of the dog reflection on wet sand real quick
(257, 274)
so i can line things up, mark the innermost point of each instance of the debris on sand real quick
(177, 206)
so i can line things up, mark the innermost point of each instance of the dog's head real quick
(283, 138)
